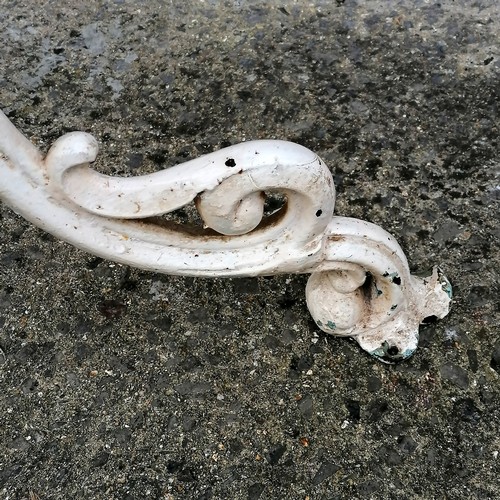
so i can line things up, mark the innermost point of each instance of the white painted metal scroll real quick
(360, 284)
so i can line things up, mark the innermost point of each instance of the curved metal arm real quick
(360, 284)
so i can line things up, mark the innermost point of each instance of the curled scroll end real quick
(370, 309)
(70, 150)
(336, 301)
(231, 213)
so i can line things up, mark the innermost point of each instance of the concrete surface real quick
(121, 384)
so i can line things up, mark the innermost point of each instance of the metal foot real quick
(360, 284)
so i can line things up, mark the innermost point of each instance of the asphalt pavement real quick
(116, 383)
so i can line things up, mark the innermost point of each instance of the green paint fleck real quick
(387, 274)
(394, 277)
(319, 323)
(445, 284)
(382, 353)
(448, 289)
(331, 325)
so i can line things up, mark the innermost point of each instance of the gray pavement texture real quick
(121, 384)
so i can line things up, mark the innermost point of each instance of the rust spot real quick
(367, 292)
(336, 237)
(160, 224)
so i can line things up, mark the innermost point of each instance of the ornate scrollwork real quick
(360, 284)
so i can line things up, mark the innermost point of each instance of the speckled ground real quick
(122, 384)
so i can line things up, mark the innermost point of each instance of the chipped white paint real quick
(360, 284)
